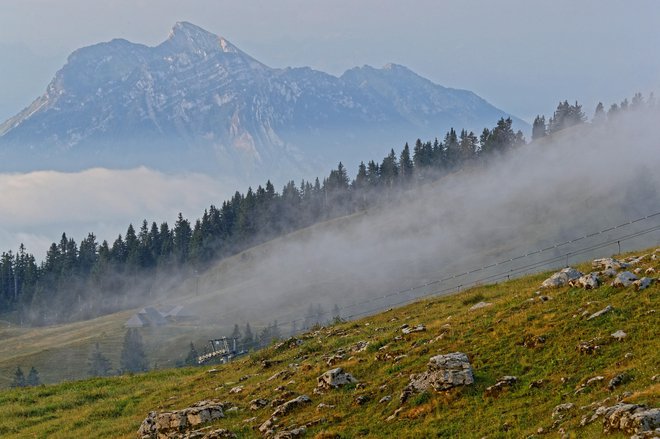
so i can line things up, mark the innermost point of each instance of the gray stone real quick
(444, 372)
(603, 311)
(480, 305)
(169, 424)
(502, 384)
(561, 278)
(619, 335)
(335, 378)
(589, 281)
(624, 279)
(629, 418)
(642, 283)
(290, 405)
(562, 409)
(608, 264)
(418, 328)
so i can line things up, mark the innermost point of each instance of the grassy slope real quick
(114, 407)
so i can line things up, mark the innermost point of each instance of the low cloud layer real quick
(38, 206)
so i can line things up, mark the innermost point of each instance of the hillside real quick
(196, 102)
(546, 338)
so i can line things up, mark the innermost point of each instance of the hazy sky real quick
(523, 56)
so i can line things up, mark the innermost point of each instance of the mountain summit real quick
(197, 102)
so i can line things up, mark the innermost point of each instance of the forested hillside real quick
(90, 278)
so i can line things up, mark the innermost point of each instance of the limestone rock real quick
(169, 424)
(562, 409)
(502, 384)
(410, 330)
(561, 278)
(642, 283)
(335, 378)
(629, 418)
(603, 311)
(624, 279)
(256, 404)
(480, 305)
(608, 263)
(290, 405)
(444, 372)
(619, 335)
(589, 281)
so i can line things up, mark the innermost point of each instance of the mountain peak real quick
(189, 37)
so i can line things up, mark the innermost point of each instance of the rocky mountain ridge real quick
(197, 101)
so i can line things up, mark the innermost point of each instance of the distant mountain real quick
(197, 102)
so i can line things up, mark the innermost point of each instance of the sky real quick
(522, 56)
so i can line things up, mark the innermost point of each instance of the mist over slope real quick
(576, 183)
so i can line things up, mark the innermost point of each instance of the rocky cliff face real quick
(196, 101)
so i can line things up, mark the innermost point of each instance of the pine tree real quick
(98, 364)
(248, 338)
(33, 378)
(538, 128)
(133, 358)
(19, 378)
(406, 164)
(599, 114)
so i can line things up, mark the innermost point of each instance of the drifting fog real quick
(38, 207)
(585, 180)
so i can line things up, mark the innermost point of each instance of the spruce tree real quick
(248, 338)
(19, 378)
(98, 364)
(133, 358)
(33, 378)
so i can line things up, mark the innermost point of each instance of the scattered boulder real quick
(616, 381)
(385, 399)
(608, 264)
(361, 399)
(444, 372)
(334, 359)
(624, 279)
(335, 378)
(642, 283)
(561, 278)
(289, 434)
(533, 341)
(282, 375)
(503, 383)
(619, 335)
(256, 404)
(237, 389)
(290, 405)
(220, 433)
(603, 311)
(480, 305)
(561, 410)
(649, 270)
(410, 330)
(589, 281)
(587, 347)
(169, 424)
(360, 346)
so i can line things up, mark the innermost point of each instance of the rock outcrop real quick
(165, 425)
(624, 279)
(444, 372)
(335, 378)
(629, 418)
(561, 278)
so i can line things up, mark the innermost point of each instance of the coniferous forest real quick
(81, 280)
